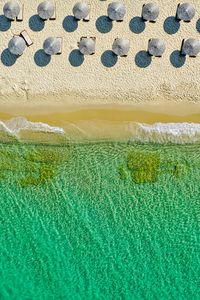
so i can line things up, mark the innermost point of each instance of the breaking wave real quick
(167, 132)
(140, 132)
(15, 126)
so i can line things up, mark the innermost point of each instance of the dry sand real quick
(25, 86)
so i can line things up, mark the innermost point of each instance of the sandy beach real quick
(68, 80)
(102, 123)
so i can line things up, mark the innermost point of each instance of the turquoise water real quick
(99, 221)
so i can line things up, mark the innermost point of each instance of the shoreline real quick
(66, 110)
(156, 123)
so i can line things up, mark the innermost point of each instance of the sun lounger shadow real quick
(177, 60)
(109, 59)
(171, 25)
(70, 24)
(41, 58)
(198, 25)
(5, 24)
(137, 25)
(8, 59)
(104, 24)
(143, 59)
(36, 23)
(76, 58)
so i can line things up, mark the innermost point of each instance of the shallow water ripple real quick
(86, 230)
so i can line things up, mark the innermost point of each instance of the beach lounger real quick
(91, 37)
(61, 45)
(87, 19)
(176, 12)
(26, 37)
(54, 16)
(21, 14)
(186, 21)
(82, 38)
(184, 54)
(181, 51)
(120, 20)
(94, 39)
(144, 20)
(85, 37)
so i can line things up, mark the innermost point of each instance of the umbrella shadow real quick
(76, 58)
(36, 23)
(8, 59)
(137, 25)
(177, 60)
(70, 24)
(171, 25)
(143, 59)
(109, 59)
(198, 25)
(104, 24)
(41, 58)
(5, 24)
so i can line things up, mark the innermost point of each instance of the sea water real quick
(99, 220)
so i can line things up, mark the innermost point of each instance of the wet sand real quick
(103, 122)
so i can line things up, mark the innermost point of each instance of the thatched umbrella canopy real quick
(52, 46)
(116, 11)
(156, 47)
(190, 47)
(81, 10)
(185, 12)
(150, 12)
(11, 9)
(87, 46)
(121, 46)
(46, 10)
(17, 45)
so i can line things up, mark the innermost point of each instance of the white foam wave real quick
(14, 126)
(167, 132)
(157, 132)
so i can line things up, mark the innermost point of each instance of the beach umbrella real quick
(52, 45)
(11, 9)
(150, 11)
(46, 10)
(185, 11)
(87, 46)
(190, 47)
(116, 11)
(81, 10)
(156, 47)
(17, 45)
(121, 46)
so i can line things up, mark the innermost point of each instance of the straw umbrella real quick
(190, 47)
(87, 46)
(46, 10)
(52, 46)
(121, 46)
(81, 10)
(150, 11)
(116, 11)
(11, 9)
(185, 12)
(17, 45)
(156, 47)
